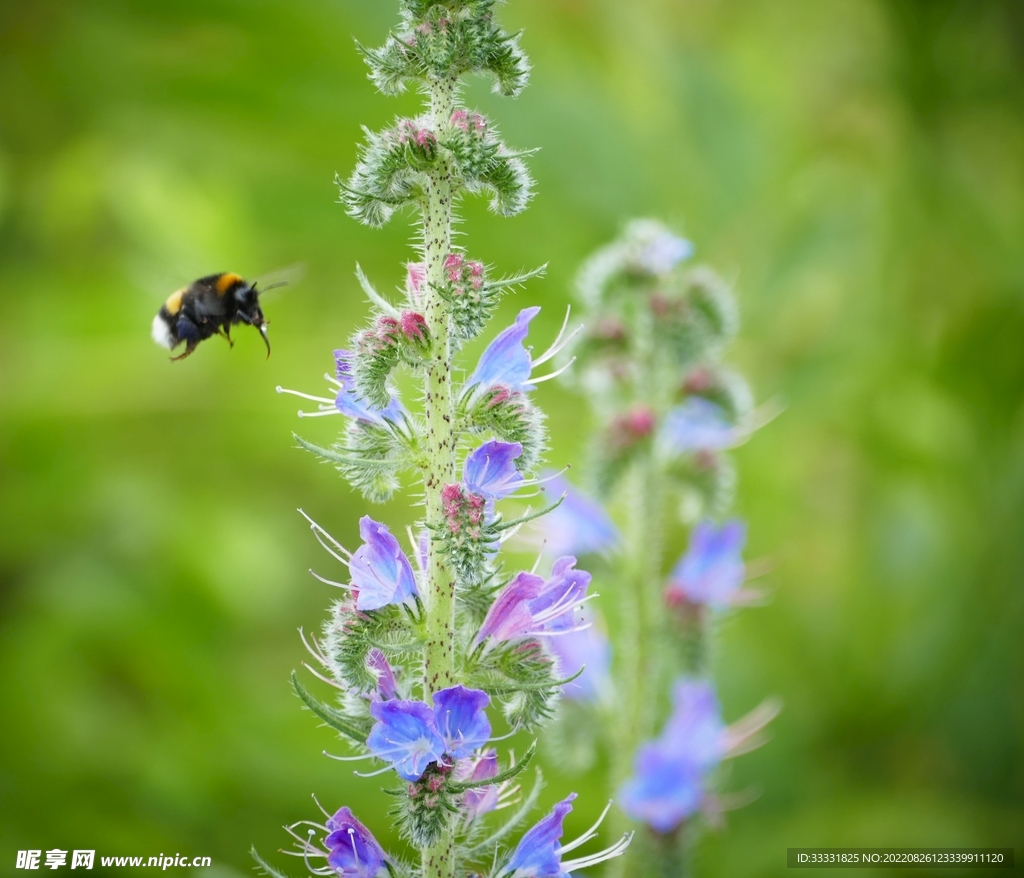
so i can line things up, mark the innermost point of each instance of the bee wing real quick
(281, 277)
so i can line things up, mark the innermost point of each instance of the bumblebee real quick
(207, 307)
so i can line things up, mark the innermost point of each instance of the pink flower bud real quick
(451, 503)
(699, 380)
(415, 280)
(414, 326)
(630, 427)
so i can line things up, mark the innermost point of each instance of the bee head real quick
(247, 297)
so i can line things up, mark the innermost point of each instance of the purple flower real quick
(587, 648)
(480, 800)
(461, 719)
(509, 617)
(506, 362)
(663, 791)
(694, 731)
(490, 471)
(577, 526)
(698, 425)
(354, 852)
(563, 591)
(712, 570)
(539, 853)
(346, 400)
(410, 734)
(387, 688)
(664, 252)
(350, 403)
(530, 606)
(405, 735)
(670, 774)
(381, 573)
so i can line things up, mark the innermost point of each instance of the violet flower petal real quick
(562, 592)
(506, 361)
(577, 526)
(350, 403)
(461, 720)
(509, 616)
(387, 687)
(693, 733)
(379, 568)
(698, 425)
(490, 471)
(712, 570)
(354, 852)
(405, 735)
(664, 252)
(536, 855)
(586, 648)
(481, 800)
(663, 790)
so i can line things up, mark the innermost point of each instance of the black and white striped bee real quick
(207, 307)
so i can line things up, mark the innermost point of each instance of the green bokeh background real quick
(857, 166)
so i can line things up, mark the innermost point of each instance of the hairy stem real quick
(441, 440)
(642, 607)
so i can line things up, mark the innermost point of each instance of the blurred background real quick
(856, 166)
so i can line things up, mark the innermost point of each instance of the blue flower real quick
(663, 791)
(530, 606)
(506, 362)
(698, 425)
(350, 403)
(480, 800)
(577, 526)
(461, 719)
(586, 648)
(353, 851)
(378, 665)
(490, 471)
(381, 572)
(664, 252)
(563, 592)
(712, 570)
(539, 854)
(694, 732)
(405, 735)
(411, 734)
(347, 401)
(670, 774)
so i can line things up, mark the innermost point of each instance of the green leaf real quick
(264, 865)
(501, 777)
(375, 297)
(336, 720)
(510, 825)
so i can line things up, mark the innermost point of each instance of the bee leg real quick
(226, 332)
(188, 332)
(188, 350)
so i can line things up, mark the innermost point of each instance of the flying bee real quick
(207, 307)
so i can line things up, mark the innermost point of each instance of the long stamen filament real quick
(589, 834)
(301, 395)
(554, 374)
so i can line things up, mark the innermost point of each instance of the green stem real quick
(641, 620)
(441, 440)
(641, 676)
